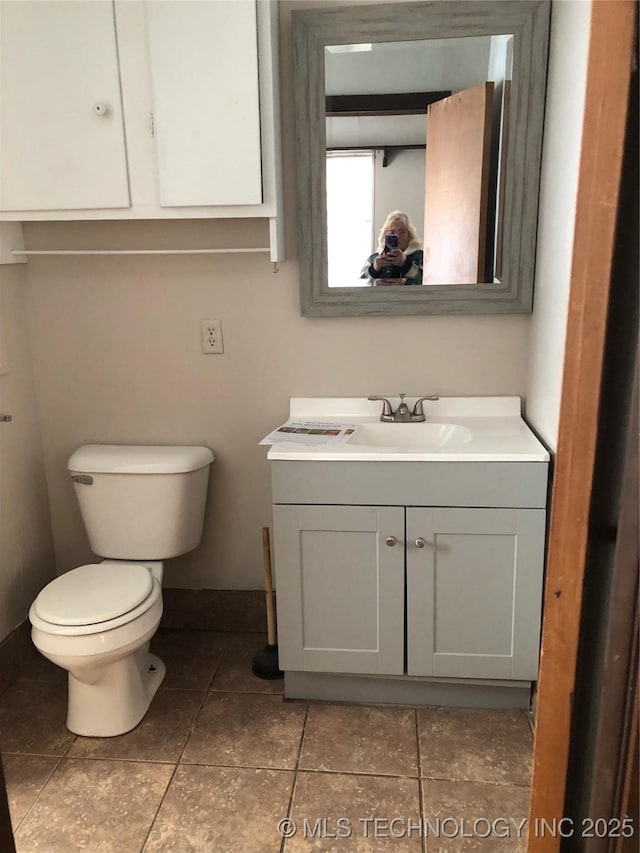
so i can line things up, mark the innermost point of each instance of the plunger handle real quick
(268, 587)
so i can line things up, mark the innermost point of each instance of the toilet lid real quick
(94, 593)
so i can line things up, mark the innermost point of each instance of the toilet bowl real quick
(97, 625)
(96, 621)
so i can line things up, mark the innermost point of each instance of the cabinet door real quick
(340, 588)
(61, 128)
(204, 72)
(474, 592)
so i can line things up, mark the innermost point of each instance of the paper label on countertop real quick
(310, 432)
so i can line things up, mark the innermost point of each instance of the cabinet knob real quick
(420, 542)
(100, 109)
(391, 541)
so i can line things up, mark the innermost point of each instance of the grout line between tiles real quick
(175, 770)
(377, 774)
(532, 723)
(194, 689)
(122, 760)
(296, 769)
(75, 738)
(264, 693)
(421, 803)
(295, 774)
(256, 691)
(35, 754)
(157, 811)
(215, 671)
(475, 782)
(418, 752)
(194, 722)
(37, 796)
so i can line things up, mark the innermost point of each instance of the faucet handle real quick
(387, 411)
(418, 411)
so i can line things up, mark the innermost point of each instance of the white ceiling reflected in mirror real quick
(375, 88)
(378, 100)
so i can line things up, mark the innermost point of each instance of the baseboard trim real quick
(9, 661)
(241, 610)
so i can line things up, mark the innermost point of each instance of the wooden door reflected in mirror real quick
(458, 238)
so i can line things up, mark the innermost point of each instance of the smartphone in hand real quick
(390, 242)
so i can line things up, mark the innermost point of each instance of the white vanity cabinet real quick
(441, 578)
(139, 109)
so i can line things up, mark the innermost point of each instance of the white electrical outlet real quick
(211, 336)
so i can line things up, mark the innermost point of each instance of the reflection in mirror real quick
(416, 127)
(412, 58)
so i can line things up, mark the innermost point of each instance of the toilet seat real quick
(90, 599)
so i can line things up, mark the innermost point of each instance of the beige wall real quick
(116, 346)
(117, 355)
(558, 188)
(26, 548)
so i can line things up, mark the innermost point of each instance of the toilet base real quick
(119, 700)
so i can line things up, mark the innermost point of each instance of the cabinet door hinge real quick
(152, 124)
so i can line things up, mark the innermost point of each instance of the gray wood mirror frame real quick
(313, 31)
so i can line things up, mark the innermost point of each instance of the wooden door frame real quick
(608, 76)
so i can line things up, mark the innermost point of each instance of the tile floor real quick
(220, 759)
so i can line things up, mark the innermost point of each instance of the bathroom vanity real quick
(409, 556)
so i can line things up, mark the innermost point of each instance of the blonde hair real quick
(398, 216)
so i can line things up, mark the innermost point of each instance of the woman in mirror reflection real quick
(399, 257)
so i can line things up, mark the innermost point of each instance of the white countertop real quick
(498, 432)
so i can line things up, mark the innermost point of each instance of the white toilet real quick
(140, 505)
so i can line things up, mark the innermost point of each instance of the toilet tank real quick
(141, 502)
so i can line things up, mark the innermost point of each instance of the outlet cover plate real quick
(211, 333)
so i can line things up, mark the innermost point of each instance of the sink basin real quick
(417, 435)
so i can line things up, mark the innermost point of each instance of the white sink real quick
(457, 429)
(418, 435)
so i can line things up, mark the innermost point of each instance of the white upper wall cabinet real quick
(61, 131)
(140, 109)
(206, 107)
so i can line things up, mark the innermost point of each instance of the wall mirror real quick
(377, 89)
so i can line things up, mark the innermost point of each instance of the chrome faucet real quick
(402, 414)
